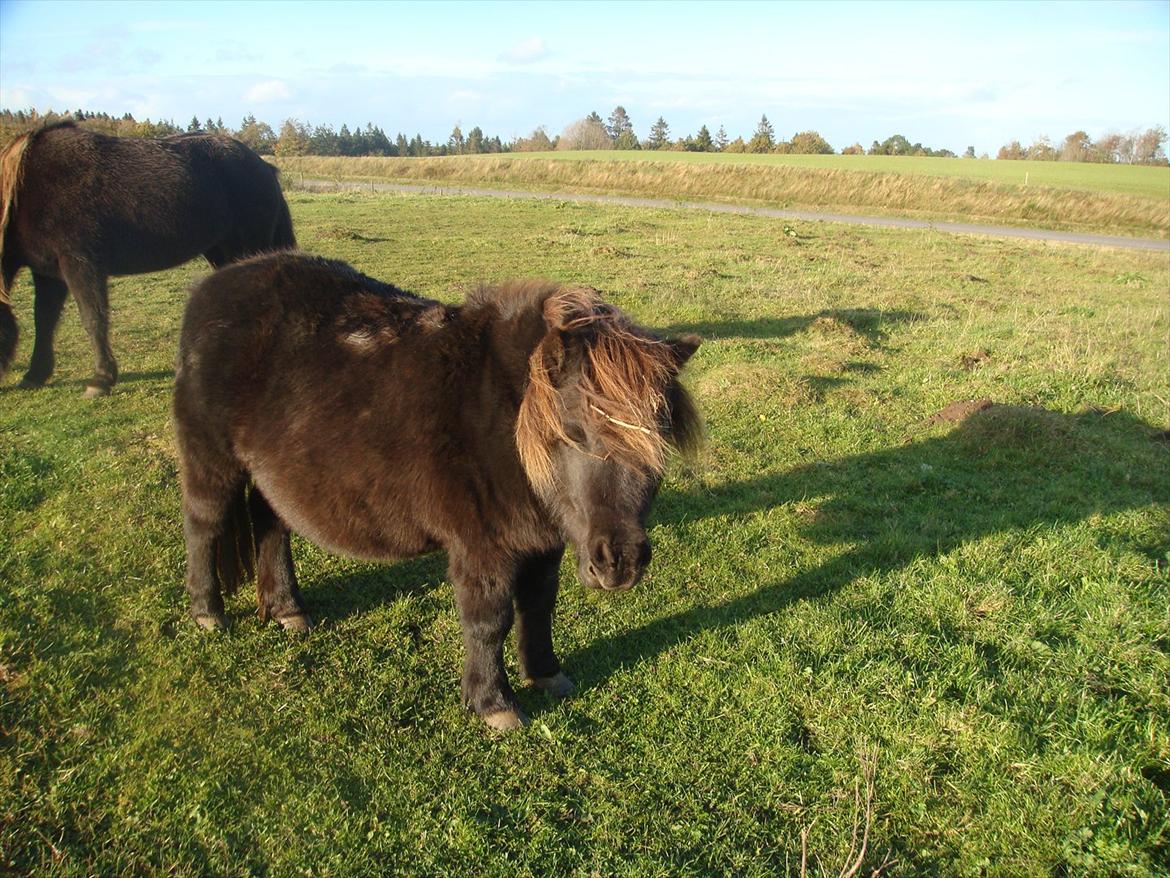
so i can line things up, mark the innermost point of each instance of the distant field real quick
(1150, 182)
(867, 605)
(1092, 198)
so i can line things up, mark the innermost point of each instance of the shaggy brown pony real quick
(381, 425)
(77, 207)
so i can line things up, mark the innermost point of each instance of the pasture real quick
(1153, 182)
(1109, 199)
(879, 628)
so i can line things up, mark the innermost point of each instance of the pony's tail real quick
(11, 170)
(235, 547)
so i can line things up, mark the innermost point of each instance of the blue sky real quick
(946, 74)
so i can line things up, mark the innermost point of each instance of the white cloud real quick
(266, 92)
(526, 51)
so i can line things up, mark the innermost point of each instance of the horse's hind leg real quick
(535, 595)
(277, 594)
(49, 300)
(93, 301)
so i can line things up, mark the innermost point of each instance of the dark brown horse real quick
(381, 425)
(77, 207)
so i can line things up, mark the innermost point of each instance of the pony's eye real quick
(575, 433)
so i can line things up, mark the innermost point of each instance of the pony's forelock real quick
(629, 396)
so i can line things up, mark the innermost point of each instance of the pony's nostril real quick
(601, 555)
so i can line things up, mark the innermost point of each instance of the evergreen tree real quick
(703, 141)
(764, 138)
(659, 134)
(192, 126)
(619, 123)
(720, 139)
(475, 140)
(627, 140)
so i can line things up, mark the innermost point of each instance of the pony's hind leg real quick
(535, 595)
(90, 289)
(277, 594)
(50, 295)
(209, 495)
(216, 524)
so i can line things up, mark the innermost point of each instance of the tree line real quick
(1136, 148)
(590, 133)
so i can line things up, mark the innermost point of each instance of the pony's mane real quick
(630, 398)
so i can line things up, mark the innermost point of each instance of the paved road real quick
(776, 213)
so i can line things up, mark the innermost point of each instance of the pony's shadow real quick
(1001, 470)
(339, 596)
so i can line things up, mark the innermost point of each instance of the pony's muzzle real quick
(615, 564)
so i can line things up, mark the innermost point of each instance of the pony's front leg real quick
(535, 593)
(484, 599)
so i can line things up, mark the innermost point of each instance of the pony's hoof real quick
(506, 720)
(211, 621)
(27, 383)
(558, 686)
(300, 623)
(93, 391)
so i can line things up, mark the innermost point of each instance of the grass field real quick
(1110, 199)
(864, 608)
(1151, 182)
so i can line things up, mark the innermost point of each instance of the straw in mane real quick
(628, 395)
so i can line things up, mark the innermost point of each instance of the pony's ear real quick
(684, 347)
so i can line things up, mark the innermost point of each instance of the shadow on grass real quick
(156, 375)
(1003, 469)
(870, 323)
(337, 597)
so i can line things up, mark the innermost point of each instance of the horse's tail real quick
(235, 547)
(8, 334)
(11, 171)
(283, 238)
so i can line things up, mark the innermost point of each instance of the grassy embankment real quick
(970, 612)
(1109, 199)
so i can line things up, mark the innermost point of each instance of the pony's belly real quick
(344, 524)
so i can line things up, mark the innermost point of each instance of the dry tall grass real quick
(809, 188)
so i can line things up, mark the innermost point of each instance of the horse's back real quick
(130, 205)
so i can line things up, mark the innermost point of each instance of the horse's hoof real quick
(211, 621)
(506, 720)
(299, 623)
(558, 686)
(27, 383)
(93, 391)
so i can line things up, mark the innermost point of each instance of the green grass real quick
(972, 614)
(1147, 181)
(843, 184)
